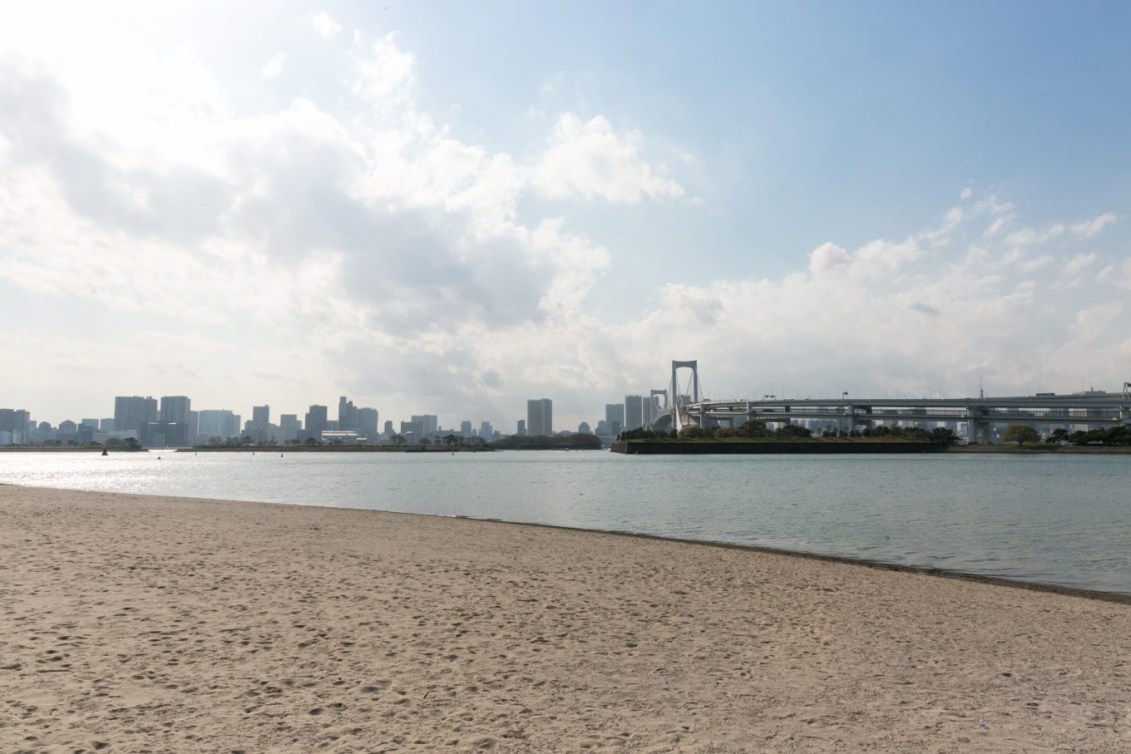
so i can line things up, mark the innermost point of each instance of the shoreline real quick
(1122, 598)
(136, 622)
(970, 576)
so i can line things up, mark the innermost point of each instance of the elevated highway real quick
(1091, 409)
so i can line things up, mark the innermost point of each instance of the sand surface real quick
(131, 624)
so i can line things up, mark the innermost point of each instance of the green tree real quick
(942, 434)
(752, 428)
(792, 431)
(1021, 434)
(1058, 436)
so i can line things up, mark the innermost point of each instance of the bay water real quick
(1062, 520)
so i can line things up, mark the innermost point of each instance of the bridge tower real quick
(679, 411)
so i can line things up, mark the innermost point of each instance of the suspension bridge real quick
(684, 406)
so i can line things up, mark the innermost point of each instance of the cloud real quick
(1030, 237)
(376, 231)
(323, 25)
(1117, 275)
(1094, 227)
(273, 67)
(384, 74)
(828, 257)
(888, 318)
(588, 159)
(1037, 263)
(349, 240)
(1080, 262)
(1091, 323)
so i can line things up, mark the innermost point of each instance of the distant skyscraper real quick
(633, 412)
(540, 417)
(174, 423)
(219, 424)
(260, 429)
(14, 426)
(465, 429)
(389, 429)
(429, 424)
(317, 421)
(614, 418)
(133, 412)
(175, 409)
(367, 419)
(583, 429)
(289, 427)
(521, 428)
(486, 431)
(347, 414)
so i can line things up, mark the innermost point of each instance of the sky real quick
(452, 207)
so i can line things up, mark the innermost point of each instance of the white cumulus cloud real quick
(273, 67)
(323, 25)
(588, 159)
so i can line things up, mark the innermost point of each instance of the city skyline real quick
(285, 204)
(173, 422)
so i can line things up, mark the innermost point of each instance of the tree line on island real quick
(1021, 434)
(755, 429)
(1102, 436)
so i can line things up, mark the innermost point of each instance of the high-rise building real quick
(614, 418)
(217, 425)
(388, 432)
(465, 429)
(521, 428)
(289, 427)
(14, 426)
(633, 412)
(259, 428)
(367, 419)
(174, 430)
(429, 424)
(347, 414)
(317, 421)
(486, 431)
(175, 408)
(133, 412)
(583, 429)
(540, 417)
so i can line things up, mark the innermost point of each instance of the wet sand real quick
(132, 623)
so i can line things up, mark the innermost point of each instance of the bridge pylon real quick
(679, 411)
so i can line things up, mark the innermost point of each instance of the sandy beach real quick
(142, 624)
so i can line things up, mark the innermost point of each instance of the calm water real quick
(1062, 520)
